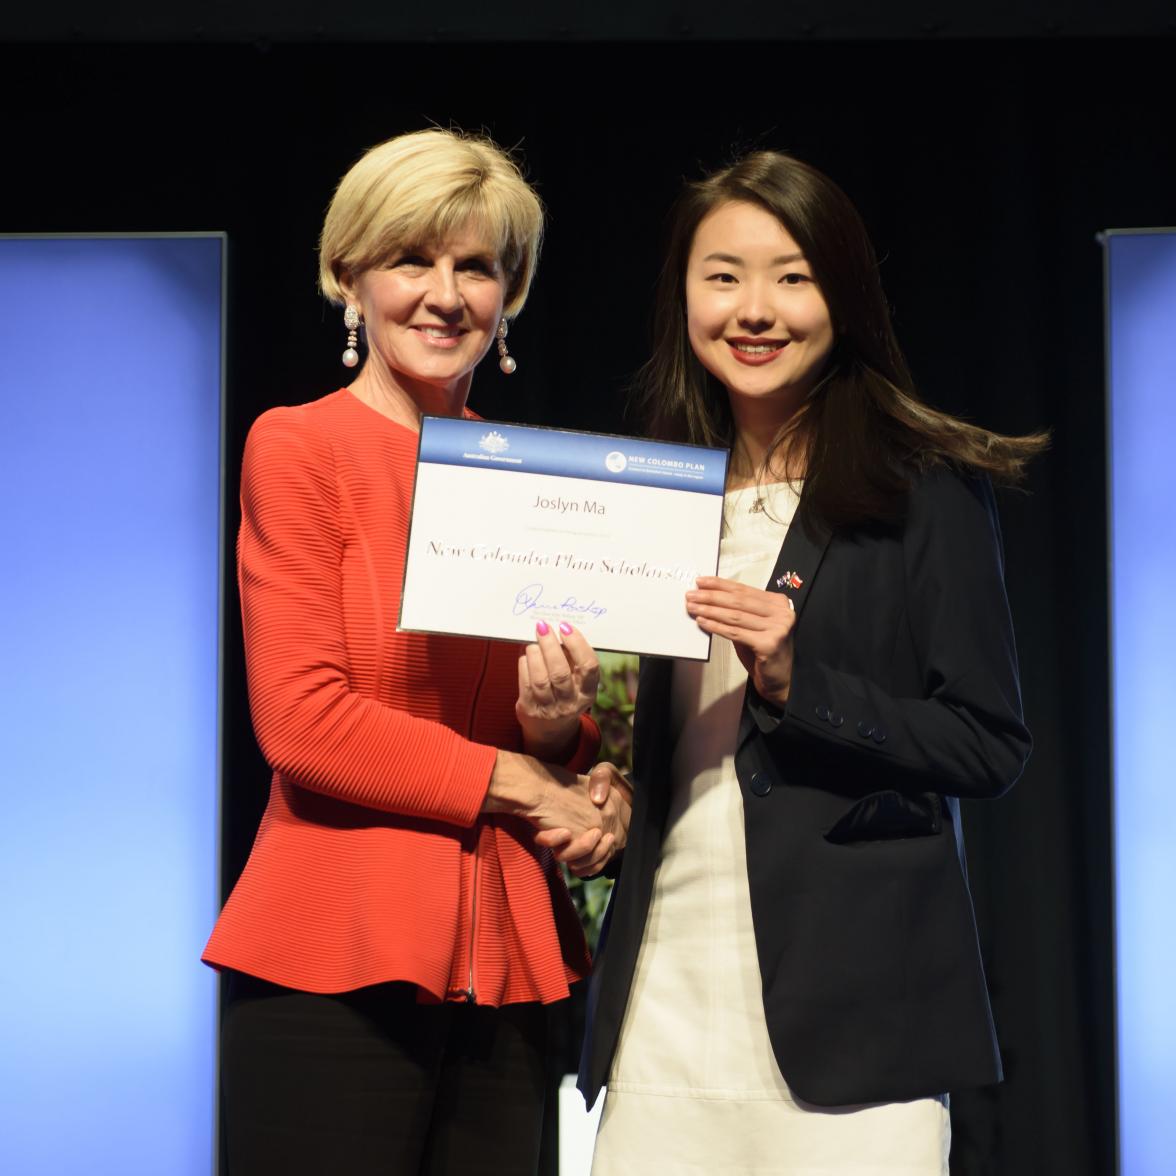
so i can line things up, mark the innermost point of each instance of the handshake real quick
(587, 850)
(584, 820)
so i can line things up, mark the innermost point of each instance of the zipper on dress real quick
(469, 993)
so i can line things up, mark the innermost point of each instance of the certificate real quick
(512, 525)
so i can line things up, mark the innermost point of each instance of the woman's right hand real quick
(759, 624)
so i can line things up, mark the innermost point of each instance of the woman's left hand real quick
(758, 623)
(557, 684)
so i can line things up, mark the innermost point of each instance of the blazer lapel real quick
(800, 557)
(651, 727)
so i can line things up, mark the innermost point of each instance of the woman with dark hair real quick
(790, 979)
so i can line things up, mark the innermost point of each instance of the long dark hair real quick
(865, 430)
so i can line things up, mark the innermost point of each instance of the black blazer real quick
(904, 697)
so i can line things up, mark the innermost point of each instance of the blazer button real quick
(822, 712)
(865, 730)
(760, 784)
(836, 719)
(879, 736)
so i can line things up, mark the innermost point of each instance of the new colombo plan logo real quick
(494, 442)
(615, 461)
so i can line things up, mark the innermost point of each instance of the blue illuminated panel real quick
(110, 457)
(1141, 290)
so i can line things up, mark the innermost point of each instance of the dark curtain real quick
(984, 170)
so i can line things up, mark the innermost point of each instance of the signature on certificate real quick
(531, 597)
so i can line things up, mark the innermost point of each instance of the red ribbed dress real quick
(372, 862)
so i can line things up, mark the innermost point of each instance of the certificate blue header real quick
(600, 457)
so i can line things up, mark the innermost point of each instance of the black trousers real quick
(371, 1082)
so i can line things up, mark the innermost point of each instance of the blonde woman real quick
(401, 920)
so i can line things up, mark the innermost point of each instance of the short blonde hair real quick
(419, 188)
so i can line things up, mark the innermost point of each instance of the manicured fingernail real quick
(565, 628)
(542, 628)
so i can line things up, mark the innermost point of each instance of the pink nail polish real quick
(565, 628)
(542, 628)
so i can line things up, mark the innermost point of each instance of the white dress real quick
(694, 1086)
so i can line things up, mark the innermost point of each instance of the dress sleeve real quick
(965, 735)
(310, 725)
(587, 748)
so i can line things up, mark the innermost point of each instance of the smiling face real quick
(430, 314)
(756, 319)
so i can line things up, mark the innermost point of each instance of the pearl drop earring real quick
(351, 322)
(506, 361)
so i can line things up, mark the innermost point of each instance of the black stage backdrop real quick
(984, 170)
